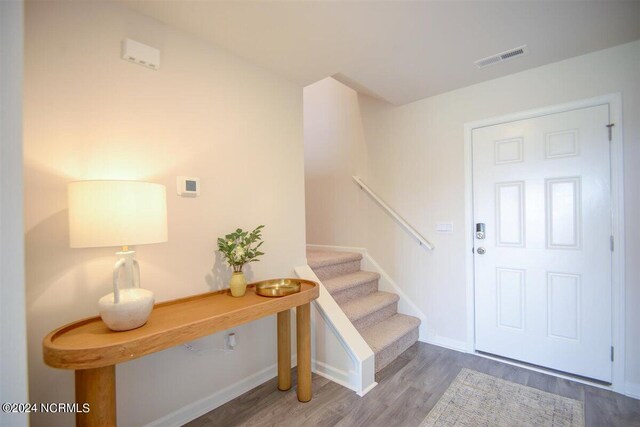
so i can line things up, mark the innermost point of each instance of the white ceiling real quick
(397, 50)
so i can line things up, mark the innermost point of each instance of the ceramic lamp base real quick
(132, 311)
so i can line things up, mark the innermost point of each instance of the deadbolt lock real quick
(480, 231)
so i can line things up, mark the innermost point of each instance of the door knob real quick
(481, 251)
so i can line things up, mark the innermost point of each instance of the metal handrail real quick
(423, 242)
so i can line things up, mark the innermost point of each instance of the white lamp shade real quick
(116, 213)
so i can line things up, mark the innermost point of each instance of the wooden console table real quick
(93, 350)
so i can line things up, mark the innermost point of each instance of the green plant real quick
(241, 247)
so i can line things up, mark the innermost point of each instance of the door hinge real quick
(612, 353)
(611, 243)
(609, 127)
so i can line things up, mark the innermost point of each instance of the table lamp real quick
(119, 213)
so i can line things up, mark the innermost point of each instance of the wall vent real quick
(502, 56)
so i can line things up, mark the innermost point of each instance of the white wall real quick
(414, 159)
(13, 347)
(91, 115)
(334, 150)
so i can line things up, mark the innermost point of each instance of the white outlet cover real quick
(444, 227)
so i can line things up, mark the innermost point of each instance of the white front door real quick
(541, 187)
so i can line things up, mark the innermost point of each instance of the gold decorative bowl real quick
(278, 287)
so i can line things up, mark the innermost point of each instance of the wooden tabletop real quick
(88, 343)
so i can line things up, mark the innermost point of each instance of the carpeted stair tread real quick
(359, 308)
(387, 332)
(373, 313)
(322, 258)
(347, 281)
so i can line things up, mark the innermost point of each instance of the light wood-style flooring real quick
(407, 390)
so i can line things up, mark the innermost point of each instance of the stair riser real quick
(389, 353)
(375, 317)
(355, 292)
(335, 270)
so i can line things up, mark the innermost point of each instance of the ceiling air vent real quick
(501, 57)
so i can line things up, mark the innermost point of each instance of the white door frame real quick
(617, 221)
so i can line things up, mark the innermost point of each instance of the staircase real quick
(373, 313)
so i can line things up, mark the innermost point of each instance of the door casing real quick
(617, 221)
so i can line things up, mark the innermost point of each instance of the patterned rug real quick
(474, 399)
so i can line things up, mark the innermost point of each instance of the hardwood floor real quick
(407, 390)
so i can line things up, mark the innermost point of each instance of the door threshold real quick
(544, 370)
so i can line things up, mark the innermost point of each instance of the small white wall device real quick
(231, 341)
(444, 227)
(188, 186)
(141, 54)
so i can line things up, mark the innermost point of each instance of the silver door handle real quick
(481, 251)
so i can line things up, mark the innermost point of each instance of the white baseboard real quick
(632, 390)
(445, 342)
(367, 390)
(336, 375)
(219, 398)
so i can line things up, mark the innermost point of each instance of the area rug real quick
(474, 399)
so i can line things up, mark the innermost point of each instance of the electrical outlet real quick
(231, 341)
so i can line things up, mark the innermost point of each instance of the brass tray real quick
(279, 287)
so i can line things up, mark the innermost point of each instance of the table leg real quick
(97, 387)
(284, 350)
(303, 331)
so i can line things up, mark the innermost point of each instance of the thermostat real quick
(188, 186)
